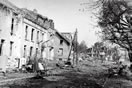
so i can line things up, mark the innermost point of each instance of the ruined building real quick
(23, 33)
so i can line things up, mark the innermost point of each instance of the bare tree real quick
(115, 20)
(82, 47)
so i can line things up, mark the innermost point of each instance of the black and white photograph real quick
(65, 43)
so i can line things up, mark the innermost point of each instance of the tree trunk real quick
(130, 58)
(130, 55)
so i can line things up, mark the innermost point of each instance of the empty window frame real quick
(24, 55)
(1, 46)
(11, 48)
(32, 34)
(36, 50)
(60, 59)
(61, 42)
(42, 36)
(37, 37)
(26, 32)
(60, 52)
(31, 49)
(12, 26)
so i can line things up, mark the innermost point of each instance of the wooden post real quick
(76, 38)
(73, 58)
(92, 51)
(72, 47)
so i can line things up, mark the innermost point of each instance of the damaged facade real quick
(23, 33)
(61, 47)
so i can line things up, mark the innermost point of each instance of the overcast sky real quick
(66, 16)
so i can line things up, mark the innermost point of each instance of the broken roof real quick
(28, 14)
(38, 19)
(31, 15)
(67, 35)
(67, 40)
(9, 5)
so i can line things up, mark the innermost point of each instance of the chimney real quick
(51, 23)
(35, 11)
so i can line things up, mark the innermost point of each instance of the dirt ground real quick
(86, 75)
